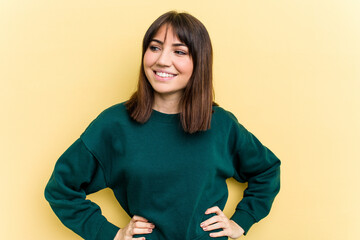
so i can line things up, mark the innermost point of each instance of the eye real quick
(154, 48)
(179, 52)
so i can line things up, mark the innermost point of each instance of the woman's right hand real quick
(137, 225)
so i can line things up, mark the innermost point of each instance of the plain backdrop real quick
(289, 71)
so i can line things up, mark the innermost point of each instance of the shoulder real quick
(114, 113)
(113, 116)
(221, 114)
(226, 119)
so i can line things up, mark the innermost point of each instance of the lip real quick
(160, 70)
(163, 78)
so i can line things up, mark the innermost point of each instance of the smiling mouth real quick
(164, 74)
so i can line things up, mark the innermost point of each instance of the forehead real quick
(166, 33)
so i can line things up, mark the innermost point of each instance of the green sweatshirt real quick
(162, 173)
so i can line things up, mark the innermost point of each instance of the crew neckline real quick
(165, 117)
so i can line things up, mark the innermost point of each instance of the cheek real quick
(186, 67)
(148, 59)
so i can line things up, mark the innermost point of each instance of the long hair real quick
(197, 100)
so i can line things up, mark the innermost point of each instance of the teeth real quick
(162, 74)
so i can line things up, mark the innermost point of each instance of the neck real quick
(166, 104)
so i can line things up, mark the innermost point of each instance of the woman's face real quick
(167, 64)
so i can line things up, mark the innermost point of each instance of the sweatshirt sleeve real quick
(260, 168)
(76, 174)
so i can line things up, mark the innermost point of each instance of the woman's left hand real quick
(230, 228)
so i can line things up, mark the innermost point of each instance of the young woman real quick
(166, 152)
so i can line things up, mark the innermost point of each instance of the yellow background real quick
(289, 70)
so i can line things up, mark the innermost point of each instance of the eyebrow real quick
(175, 44)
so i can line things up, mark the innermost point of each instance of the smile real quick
(164, 74)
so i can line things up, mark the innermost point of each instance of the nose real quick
(164, 59)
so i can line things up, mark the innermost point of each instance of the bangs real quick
(197, 99)
(182, 26)
(183, 30)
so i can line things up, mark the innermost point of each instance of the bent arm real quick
(76, 174)
(260, 168)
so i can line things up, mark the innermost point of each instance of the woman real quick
(166, 152)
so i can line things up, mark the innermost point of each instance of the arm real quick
(257, 165)
(76, 174)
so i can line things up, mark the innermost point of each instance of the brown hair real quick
(197, 100)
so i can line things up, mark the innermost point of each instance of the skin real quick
(221, 221)
(137, 225)
(140, 225)
(167, 54)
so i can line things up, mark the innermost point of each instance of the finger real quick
(139, 218)
(211, 220)
(214, 226)
(141, 238)
(215, 209)
(141, 231)
(139, 224)
(218, 234)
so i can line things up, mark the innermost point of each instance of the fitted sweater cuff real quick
(243, 219)
(107, 231)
